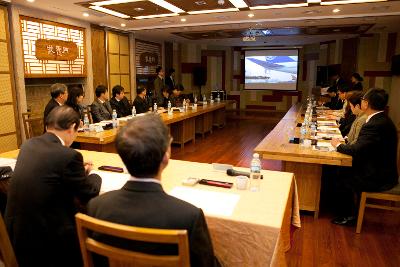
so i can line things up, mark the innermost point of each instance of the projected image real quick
(271, 69)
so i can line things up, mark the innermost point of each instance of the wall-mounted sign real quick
(149, 59)
(47, 49)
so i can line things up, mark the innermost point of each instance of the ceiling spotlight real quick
(183, 19)
(250, 15)
(336, 10)
(30, 1)
(123, 25)
(221, 2)
(138, 9)
(85, 14)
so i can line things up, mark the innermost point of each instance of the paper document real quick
(214, 203)
(324, 146)
(8, 162)
(327, 122)
(111, 180)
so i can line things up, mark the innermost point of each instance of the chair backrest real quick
(88, 111)
(6, 251)
(33, 125)
(127, 257)
(398, 151)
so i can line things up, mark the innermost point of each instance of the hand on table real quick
(335, 142)
(88, 165)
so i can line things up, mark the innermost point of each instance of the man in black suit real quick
(119, 102)
(59, 95)
(49, 181)
(159, 84)
(170, 80)
(144, 146)
(335, 103)
(101, 108)
(374, 156)
(140, 101)
(337, 82)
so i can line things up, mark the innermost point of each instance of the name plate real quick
(49, 49)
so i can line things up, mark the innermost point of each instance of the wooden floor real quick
(317, 242)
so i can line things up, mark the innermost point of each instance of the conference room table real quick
(305, 163)
(247, 228)
(183, 127)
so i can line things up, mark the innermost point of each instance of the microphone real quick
(232, 172)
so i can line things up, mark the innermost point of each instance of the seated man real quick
(140, 101)
(59, 94)
(374, 156)
(176, 98)
(164, 99)
(49, 180)
(145, 146)
(101, 108)
(335, 102)
(119, 102)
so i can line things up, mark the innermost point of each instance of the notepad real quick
(8, 162)
(111, 181)
(212, 203)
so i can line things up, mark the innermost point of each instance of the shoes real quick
(349, 221)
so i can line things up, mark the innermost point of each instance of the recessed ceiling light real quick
(110, 12)
(183, 19)
(336, 30)
(200, 3)
(123, 25)
(336, 10)
(30, 1)
(85, 14)
(138, 9)
(250, 15)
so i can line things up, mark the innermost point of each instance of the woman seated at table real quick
(356, 80)
(74, 100)
(355, 105)
(140, 102)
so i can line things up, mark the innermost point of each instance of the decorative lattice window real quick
(52, 49)
(148, 57)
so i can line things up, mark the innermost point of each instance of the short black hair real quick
(61, 118)
(357, 77)
(165, 89)
(377, 98)
(117, 90)
(158, 69)
(57, 89)
(142, 144)
(140, 89)
(100, 89)
(179, 87)
(343, 88)
(332, 90)
(355, 98)
(171, 70)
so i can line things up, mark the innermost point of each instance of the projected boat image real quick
(271, 69)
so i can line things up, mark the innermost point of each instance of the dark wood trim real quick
(304, 71)
(148, 42)
(367, 35)
(327, 42)
(261, 107)
(188, 67)
(237, 76)
(372, 81)
(7, 134)
(6, 103)
(377, 73)
(391, 46)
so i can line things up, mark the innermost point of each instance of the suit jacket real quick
(49, 107)
(147, 205)
(374, 154)
(141, 105)
(48, 180)
(122, 107)
(101, 111)
(335, 103)
(337, 83)
(357, 87)
(355, 129)
(170, 83)
(158, 86)
(346, 123)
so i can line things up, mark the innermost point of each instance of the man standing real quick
(159, 84)
(119, 102)
(48, 181)
(170, 80)
(374, 155)
(144, 146)
(59, 95)
(101, 108)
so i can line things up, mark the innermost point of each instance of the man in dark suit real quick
(159, 84)
(140, 101)
(142, 201)
(101, 108)
(48, 181)
(170, 80)
(59, 94)
(374, 155)
(337, 82)
(335, 103)
(119, 102)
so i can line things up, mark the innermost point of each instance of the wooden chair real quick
(392, 195)
(123, 257)
(88, 111)
(6, 250)
(33, 125)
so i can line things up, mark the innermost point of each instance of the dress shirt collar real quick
(117, 99)
(101, 101)
(58, 103)
(62, 141)
(162, 78)
(370, 116)
(144, 180)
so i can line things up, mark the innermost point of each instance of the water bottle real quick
(114, 119)
(211, 99)
(184, 105)
(155, 107)
(218, 98)
(133, 111)
(86, 122)
(303, 132)
(255, 173)
(204, 99)
(169, 108)
(313, 130)
(195, 99)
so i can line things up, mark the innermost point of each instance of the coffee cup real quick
(241, 182)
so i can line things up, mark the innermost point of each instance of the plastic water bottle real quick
(133, 111)
(169, 108)
(204, 98)
(86, 123)
(155, 108)
(255, 173)
(211, 99)
(313, 130)
(195, 99)
(303, 133)
(114, 119)
(218, 98)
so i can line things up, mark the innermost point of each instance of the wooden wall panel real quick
(99, 61)
(349, 57)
